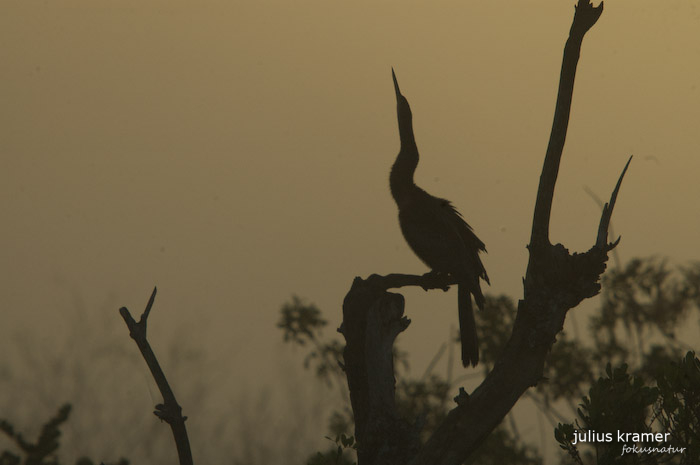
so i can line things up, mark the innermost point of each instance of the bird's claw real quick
(433, 280)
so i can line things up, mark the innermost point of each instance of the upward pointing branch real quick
(585, 17)
(169, 411)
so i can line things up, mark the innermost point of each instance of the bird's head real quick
(403, 109)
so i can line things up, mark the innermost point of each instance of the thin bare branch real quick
(427, 281)
(602, 238)
(169, 411)
(585, 17)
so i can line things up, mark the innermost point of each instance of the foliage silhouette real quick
(644, 387)
(44, 450)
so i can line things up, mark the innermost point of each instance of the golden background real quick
(235, 153)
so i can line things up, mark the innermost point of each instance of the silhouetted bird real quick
(436, 232)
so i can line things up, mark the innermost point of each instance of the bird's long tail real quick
(467, 326)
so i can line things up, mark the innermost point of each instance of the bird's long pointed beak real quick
(396, 84)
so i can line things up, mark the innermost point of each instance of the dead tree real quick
(555, 282)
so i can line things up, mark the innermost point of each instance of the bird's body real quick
(437, 233)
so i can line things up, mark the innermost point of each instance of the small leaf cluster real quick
(44, 450)
(678, 409)
(301, 324)
(622, 402)
(337, 455)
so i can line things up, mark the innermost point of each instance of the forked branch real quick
(169, 411)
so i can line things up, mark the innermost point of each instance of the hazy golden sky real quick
(234, 153)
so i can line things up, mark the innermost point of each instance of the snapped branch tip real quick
(585, 17)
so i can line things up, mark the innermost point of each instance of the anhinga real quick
(436, 231)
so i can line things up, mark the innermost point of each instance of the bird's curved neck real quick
(401, 178)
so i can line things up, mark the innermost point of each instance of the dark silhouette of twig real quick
(169, 411)
(601, 204)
